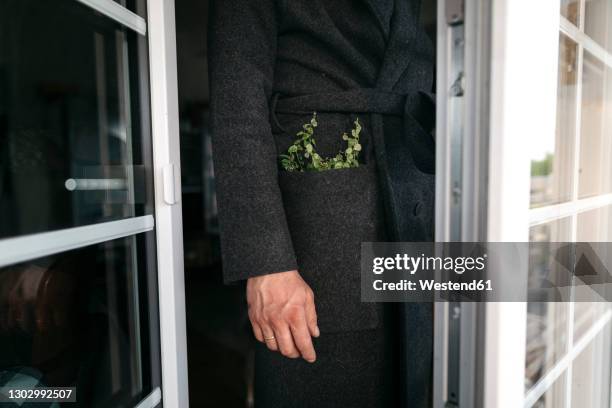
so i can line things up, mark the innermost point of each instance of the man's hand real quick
(282, 312)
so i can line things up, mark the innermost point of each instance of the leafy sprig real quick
(302, 156)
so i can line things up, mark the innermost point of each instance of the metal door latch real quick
(172, 184)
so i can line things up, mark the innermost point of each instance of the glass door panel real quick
(570, 9)
(597, 22)
(551, 156)
(70, 118)
(546, 179)
(591, 373)
(547, 323)
(81, 319)
(78, 251)
(555, 396)
(573, 354)
(595, 174)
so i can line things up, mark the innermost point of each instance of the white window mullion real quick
(585, 41)
(152, 400)
(542, 215)
(555, 372)
(28, 247)
(118, 13)
(516, 120)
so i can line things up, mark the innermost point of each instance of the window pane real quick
(554, 397)
(597, 21)
(596, 125)
(79, 319)
(591, 373)
(595, 225)
(71, 126)
(592, 226)
(570, 9)
(136, 6)
(547, 322)
(552, 158)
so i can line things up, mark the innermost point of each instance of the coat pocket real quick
(329, 214)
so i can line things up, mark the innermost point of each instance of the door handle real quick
(171, 179)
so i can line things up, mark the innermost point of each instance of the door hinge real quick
(171, 178)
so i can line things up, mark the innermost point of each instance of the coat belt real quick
(361, 100)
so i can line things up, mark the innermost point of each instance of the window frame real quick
(492, 336)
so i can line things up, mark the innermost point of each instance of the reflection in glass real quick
(597, 19)
(570, 9)
(79, 319)
(70, 120)
(552, 157)
(591, 373)
(546, 321)
(596, 127)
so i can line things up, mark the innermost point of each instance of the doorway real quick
(218, 331)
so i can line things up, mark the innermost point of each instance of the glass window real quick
(596, 124)
(591, 373)
(592, 226)
(71, 128)
(570, 9)
(597, 15)
(570, 166)
(547, 322)
(595, 225)
(552, 158)
(80, 319)
(555, 396)
(136, 6)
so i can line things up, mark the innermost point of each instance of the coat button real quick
(417, 208)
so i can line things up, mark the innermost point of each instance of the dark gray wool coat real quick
(272, 64)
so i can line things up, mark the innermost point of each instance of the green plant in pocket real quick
(302, 154)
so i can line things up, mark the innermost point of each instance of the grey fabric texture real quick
(261, 47)
(353, 370)
(271, 221)
(330, 214)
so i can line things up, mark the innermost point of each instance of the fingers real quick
(311, 316)
(282, 313)
(290, 335)
(284, 339)
(301, 337)
(257, 331)
(270, 338)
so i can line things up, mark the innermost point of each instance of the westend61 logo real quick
(412, 265)
(486, 271)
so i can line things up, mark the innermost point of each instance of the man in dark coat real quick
(295, 236)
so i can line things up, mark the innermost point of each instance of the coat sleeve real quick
(255, 238)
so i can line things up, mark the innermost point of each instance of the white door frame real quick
(523, 108)
(462, 131)
(489, 199)
(168, 213)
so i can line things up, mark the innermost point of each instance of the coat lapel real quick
(314, 14)
(404, 26)
(382, 9)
